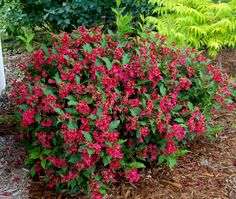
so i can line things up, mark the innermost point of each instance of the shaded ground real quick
(208, 172)
(14, 176)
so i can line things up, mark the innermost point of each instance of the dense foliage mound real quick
(200, 23)
(95, 107)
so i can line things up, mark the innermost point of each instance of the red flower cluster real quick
(93, 106)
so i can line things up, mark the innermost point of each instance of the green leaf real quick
(90, 151)
(161, 159)
(98, 177)
(73, 103)
(70, 97)
(114, 125)
(125, 59)
(162, 90)
(87, 47)
(106, 160)
(171, 161)
(178, 108)
(120, 141)
(37, 118)
(77, 79)
(74, 159)
(99, 112)
(179, 120)
(179, 153)
(24, 107)
(43, 163)
(46, 91)
(98, 74)
(72, 183)
(102, 191)
(47, 151)
(44, 48)
(118, 2)
(108, 62)
(135, 111)
(98, 62)
(57, 78)
(87, 173)
(93, 117)
(87, 136)
(32, 172)
(190, 106)
(34, 155)
(147, 96)
(137, 165)
(144, 103)
(59, 111)
(72, 124)
(218, 129)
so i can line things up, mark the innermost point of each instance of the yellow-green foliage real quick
(200, 23)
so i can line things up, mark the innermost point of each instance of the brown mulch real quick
(208, 172)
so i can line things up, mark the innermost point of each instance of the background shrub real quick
(56, 15)
(202, 24)
(11, 18)
(95, 107)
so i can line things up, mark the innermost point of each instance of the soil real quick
(208, 172)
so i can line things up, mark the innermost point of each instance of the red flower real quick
(83, 107)
(170, 148)
(28, 117)
(133, 175)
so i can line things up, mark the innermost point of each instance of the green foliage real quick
(11, 18)
(123, 21)
(56, 15)
(201, 23)
(27, 39)
(170, 160)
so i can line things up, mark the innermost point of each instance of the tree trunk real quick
(2, 75)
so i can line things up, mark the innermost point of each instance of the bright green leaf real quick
(162, 90)
(73, 103)
(87, 136)
(137, 165)
(114, 125)
(106, 160)
(43, 163)
(87, 47)
(108, 62)
(72, 124)
(59, 111)
(135, 111)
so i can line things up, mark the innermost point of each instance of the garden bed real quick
(209, 171)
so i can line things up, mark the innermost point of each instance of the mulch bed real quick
(208, 172)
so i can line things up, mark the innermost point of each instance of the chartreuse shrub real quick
(96, 107)
(200, 23)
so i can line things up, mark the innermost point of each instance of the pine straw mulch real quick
(209, 171)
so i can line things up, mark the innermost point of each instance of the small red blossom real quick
(115, 151)
(83, 107)
(133, 176)
(28, 117)
(170, 148)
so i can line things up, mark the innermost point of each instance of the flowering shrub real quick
(95, 107)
